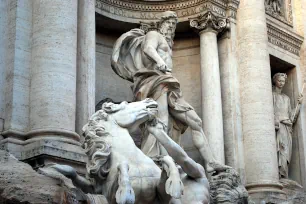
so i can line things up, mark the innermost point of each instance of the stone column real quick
(232, 127)
(53, 74)
(208, 26)
(256, 101)
(86, 61)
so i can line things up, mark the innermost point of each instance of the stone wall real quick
(108, 84)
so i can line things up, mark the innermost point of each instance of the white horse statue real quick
(121, 172)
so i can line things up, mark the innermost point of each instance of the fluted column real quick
(85, 105)
(53, 74)
(256, 101)
(208, 26)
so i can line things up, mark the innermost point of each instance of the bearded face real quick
(167, 28)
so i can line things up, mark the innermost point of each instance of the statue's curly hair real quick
(167, 15)
(275, 76)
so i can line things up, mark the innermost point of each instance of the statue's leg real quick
(163, 115)
(125, 193)
(149, 145)
(170, 186)
(199, 139)
(190, 167)
(275, 6)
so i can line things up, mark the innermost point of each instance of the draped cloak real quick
(148, 82)
(282, 112)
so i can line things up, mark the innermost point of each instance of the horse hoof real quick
(174, 187)
(125, 195)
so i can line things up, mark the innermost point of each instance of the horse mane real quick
(96, 148)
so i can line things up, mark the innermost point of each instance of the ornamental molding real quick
(280, 10)
(209, 21)
(284, 39)
(135, 11)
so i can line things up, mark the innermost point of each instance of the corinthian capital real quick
(209, 22)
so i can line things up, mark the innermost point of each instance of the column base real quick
(43, 151)
(267, 193)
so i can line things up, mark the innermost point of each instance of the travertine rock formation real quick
(19, 183)
(226, 187)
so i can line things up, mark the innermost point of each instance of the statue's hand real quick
(286, 122)
(162, 66)
(276, 124)
(300, 98)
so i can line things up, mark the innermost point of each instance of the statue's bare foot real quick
(216, 167)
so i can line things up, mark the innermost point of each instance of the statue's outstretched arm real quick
(190, 167)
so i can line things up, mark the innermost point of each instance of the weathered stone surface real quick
(19, 183)
(295, 192)
(226, 187)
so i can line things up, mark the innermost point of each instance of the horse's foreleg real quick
(77, 180)
(125, 193)
(170, 182)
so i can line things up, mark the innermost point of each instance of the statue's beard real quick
(168, 33)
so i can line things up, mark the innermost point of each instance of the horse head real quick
(131, 115)
(112, 117)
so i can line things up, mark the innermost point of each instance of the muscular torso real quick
(165, 52)
(161, 47)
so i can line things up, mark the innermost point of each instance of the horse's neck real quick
(119, 137)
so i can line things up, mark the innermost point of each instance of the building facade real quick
(55, 68)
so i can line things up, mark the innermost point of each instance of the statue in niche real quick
(274, 6)
(284, 118)
(144, 57)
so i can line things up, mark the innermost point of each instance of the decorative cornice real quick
(154, 6)
(209, 21)
(284, 39)
(135, 11)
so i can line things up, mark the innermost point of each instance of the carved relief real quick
(275, 7)
(280, 9)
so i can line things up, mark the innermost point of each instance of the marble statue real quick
(284, 117)
(144, 57)
(121, 172)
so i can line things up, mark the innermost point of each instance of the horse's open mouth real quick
(152, 106)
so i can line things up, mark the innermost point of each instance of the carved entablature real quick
(280, 9)
(136, 11)
(284, 39)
